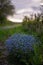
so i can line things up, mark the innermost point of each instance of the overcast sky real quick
(25, 7)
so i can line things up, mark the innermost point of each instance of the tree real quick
(42, 10)
(6, 8)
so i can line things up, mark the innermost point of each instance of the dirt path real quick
(8, 27)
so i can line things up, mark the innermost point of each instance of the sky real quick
(24, 8)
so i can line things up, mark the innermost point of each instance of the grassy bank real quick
(5, 33)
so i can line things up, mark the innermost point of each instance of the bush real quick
(38, 54)
(31, 57)
(20, 49)
(18, 39)
(18, 57)
(32, 25)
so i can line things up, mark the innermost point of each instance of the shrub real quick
(20, 39)
(32, 25)
(38, 54)
(20, 49)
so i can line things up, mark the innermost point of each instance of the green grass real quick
(5, 33)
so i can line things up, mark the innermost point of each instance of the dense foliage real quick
(34, 27)
(6, 8)
(19, 57)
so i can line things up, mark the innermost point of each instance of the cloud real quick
(28, 11)
(14, 19)
(20, 4)
(25, 7)
(20, 11)
(24, 11)
(41, 3)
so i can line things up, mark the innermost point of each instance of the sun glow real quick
(14, 20)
